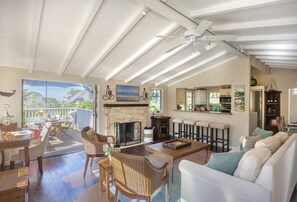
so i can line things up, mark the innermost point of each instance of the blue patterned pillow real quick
(225, 162)
(263, 133)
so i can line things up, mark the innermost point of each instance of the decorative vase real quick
(253, 81)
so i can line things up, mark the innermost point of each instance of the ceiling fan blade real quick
(199, 47)
(167, 36)
(175, 47)
(221, 38)
(203, 25)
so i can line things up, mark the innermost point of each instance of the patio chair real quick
(137, 178)
(64, 127)
(35, 150)
(93, 148)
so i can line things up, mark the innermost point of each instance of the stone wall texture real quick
(124, 114)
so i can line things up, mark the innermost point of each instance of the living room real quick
(66, 42)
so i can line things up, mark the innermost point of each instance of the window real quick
(189, 100)
(214, 101)
(155, 100)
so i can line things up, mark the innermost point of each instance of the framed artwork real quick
(127, 93)
(239, 98)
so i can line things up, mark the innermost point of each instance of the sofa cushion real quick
(225, 162)
(272, 143)
(251, 163)
(263, 133)
(248, 142)
(282, 136)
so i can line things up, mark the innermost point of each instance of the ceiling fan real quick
(194, 35)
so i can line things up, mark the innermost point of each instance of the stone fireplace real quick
(125, 113)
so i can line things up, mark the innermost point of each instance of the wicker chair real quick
(282, 126)
(137, 178)
(94, 149)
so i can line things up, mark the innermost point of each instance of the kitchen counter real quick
(205, 112)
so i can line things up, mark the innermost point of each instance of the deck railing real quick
(83, 117)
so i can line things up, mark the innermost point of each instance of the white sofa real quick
(275, 183)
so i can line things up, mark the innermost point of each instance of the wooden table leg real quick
(206, 156)
(2, 160)
(101, 170)
(107, 177)
(27, 157)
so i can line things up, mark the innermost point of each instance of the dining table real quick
(56, 124)
(15, 139)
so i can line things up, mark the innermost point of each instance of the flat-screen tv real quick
(127, 93)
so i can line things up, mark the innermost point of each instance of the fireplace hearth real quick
(128, 133)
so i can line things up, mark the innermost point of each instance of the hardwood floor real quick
(62, 179)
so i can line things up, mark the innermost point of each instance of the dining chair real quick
(35, 150)
(94, 148)
(137, 178)
(282, 126)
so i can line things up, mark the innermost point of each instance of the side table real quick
(14, 185)
(105, 170)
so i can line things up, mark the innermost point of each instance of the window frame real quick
(161, 98)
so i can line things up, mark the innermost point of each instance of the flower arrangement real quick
(40, 113)
(112, 148)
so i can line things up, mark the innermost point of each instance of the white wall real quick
(11, 79)
(234, 72)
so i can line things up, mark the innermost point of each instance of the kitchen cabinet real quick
(200, 97)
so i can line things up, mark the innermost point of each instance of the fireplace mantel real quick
(125, 105)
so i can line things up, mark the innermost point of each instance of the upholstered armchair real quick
(95, 147)
(35, 150)
(137, 178)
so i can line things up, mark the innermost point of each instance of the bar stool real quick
(189, 129)
(179, 131)
(216, 127)
(201, 127)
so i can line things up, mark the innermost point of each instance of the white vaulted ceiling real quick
(113, 39)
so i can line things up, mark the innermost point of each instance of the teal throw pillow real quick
(225, 162)
(263, 133)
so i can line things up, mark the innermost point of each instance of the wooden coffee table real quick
(173, 154)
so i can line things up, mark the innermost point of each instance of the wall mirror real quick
(205, 98)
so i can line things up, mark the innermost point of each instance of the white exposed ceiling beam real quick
(157, 62)
(148, 46)
(271, 46)
(276, 53)
(203, 62)
(276, 58)
(254, 24)
(231, 7)
(275, 37)
(171, 14)
(126, 28)
(282, 67)
(84, 30)
(203, 70)
(177, 64)
(38, 10)
(280, 62)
